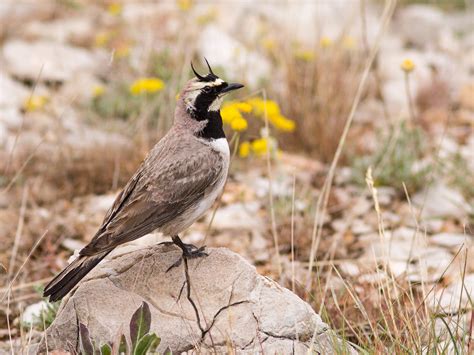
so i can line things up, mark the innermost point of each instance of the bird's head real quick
(204, 94)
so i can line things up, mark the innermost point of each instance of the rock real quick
(32, 313)
(455, 297)
(228, 52)
(12, 93)
(451, 240)
(422, 25)
(235, 306)
(73, 29)
(360, 227)
(440, 201)
(55, 62)
(10, 117)
(241, 216)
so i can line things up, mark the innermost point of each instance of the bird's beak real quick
(231, 87)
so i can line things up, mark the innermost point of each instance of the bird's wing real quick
(154, 197)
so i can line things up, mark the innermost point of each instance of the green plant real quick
(397, 161)
(142, 340)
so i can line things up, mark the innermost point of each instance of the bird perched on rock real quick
(176, 184)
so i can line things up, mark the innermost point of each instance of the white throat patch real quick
(216, 104)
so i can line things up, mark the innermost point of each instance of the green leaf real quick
(106, 349)
(148, 342)
(85, 341)
(140, 323)
(123, 346)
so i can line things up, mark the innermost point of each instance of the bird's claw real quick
(190, 251)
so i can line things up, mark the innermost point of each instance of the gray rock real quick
(12, 93)
(422, 25)
(241, 216)
(451, 240)
(235, 306)
(55, 62)
(441, 201)
(61, 30)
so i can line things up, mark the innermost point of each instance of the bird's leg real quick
(190, 251)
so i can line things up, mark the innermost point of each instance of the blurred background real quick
(352, 179)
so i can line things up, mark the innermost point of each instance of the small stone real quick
(243, 216)
(350, 268)
(360, 227)
(441, 201)
(12, 93)
(360, 207)
(455, 297)
(451, 240)
(422, 25)
(55, 61)
(73, 244)
(32, 313)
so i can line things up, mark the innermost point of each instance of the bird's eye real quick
(206, 89)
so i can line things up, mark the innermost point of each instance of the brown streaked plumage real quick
(177, 182)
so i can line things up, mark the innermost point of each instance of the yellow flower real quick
(305, 55)
(146, 85)
(407, 65)
(261, 107)
(349, 42)
(239, 124)
(177, 96)
(229, 113)
(101, 39)
(185, 5)
(98, 90)
(282, 123)
(243, 107)
(244, 149)
(260, 146)
(325, 42)
(115, 9)
(35, 102)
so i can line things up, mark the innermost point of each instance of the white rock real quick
(73, 244)
(229, 53)
(454, 297)
(441, 202)
(405, 234)
(449, 240)
(12, 93)
(360, 227)
(55, 62)
(10, 117)
(99, 204)
(360, 207)
(421, 25)
(32, 313)
(241, 216)
(61, 30)
(350, 268)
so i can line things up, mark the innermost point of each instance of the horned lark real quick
(177, 182)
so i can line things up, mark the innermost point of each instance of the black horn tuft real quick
(200, 77)
(210, 70)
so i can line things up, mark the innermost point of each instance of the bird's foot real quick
(190, 251)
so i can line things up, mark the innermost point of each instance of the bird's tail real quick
(71, 275)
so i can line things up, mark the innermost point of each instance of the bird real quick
(177, 182)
